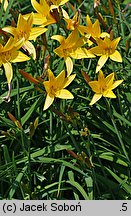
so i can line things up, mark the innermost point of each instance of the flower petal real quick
(69, 65)
(30, 48)
(80, 53)
(20, 57)
(51, 76)
(47, 86)
(29, 20)
(63, 2)
(59, 38)
(116, 83)
(54, 7)
(65, 14)
(21, 23)
(88, 21)
(37, 6)
(95, 98)
(96, 51)
(10, 29)
(59, 51)
(109, 94)
(69, 79)
(101, 77)
(50, 20)
(39, 19)
(60, 80)
(109, 80)
(96, 29)
(102, 60)
(48, 101)
(5, 4)
(116, 56)
(95, 86)
(45, 7)
(82, 29)
(8, 71)
(115, 42)
(9, 45)
(72, 39)
(35, 32)
(18, 44)
(104, 34)
(64, 94)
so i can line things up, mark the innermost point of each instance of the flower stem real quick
(18, 100)
(72, 138)
(29, 168)
(51, 127)
(19, 117)
(121, 20)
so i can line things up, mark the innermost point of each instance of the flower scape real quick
(65, 99)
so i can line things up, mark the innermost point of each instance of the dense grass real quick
(72, 150)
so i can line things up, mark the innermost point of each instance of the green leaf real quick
(47, 150)
(77, 185)
(126, 1)
(6, 154)
(16, 183)
(7, 12)
(60, 178)
(128, 95)
(40, 177)
(121, 118)
(65, 163)
(122, 183)
(112, 157)
(31, 110)
(89, 183)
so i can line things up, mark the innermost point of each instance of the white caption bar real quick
(65, 207)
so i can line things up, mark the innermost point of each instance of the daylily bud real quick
(86, 76)
(16, 122)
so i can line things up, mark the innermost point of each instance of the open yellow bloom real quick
(25, 30)
(8, 54)
(73, 23)
(94, 30)
(55, 87)
(57, 3)
(5, 4)
(43, 16)
(103, 87)
(71, 48)
(105, 49)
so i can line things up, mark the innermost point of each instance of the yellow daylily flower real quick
(106, 49)
(73, 23)
(8, 54)
(43, 16)
(5, 4)
(103, 87)
(57, 3)
(55, 87)
(71, 48)
(25, 30)
(94, 30)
